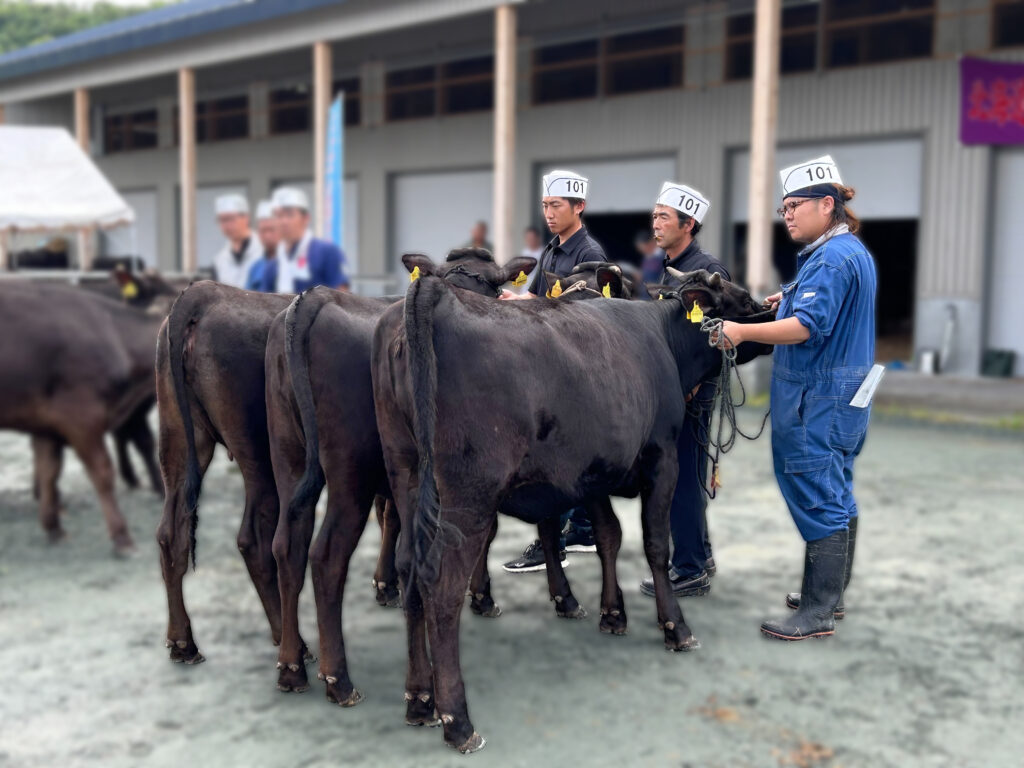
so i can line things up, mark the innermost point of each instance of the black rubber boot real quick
(793, 598)
(824, 570)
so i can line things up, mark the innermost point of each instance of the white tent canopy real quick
(47, 183)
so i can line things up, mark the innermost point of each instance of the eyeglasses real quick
(788, 208)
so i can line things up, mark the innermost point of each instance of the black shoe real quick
(578, 540)
(824, 570)
(793, 598)
(531, 560)
(682, 586)
(709, 566)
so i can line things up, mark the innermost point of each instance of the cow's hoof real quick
(341, 693)
(387, 595)
(123, 545)
(308, 657)
(291, 678)
(484, 605)
(56, 535)
(419, 710)
(185, 652)
(679, 638)
(568, 608)
(474, 743)
(613, 622)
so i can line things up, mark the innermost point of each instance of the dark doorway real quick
(616, 233)
(893, 243)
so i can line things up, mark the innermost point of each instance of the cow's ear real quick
(552, 279)
(609, 281)
(424, 263)
(517, 269)
(130, 286)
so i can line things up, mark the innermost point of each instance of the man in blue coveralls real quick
(676, 220)
(824, 337)
(303, 261)
(269, 234)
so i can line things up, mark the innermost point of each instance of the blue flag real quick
(335, 171)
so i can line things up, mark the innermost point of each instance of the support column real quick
(187, 167)
(504, 131)
(83, 240)
(764, 118)
(321, 106)
(2, 118)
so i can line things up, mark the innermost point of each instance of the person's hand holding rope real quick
(727, 335)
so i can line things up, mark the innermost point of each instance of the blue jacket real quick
(834, 298)
(254, 280)
(326, 266)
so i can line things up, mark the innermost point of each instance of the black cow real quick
(322, 427)
(73, 366)
(210, 389)
(466, 431)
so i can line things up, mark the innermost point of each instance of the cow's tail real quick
(184, 314)
(430, 533)
(299, 318)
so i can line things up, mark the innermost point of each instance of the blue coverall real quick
(816, 433)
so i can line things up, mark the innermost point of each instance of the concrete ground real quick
(925, 670)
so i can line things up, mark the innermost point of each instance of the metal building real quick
(184, 103)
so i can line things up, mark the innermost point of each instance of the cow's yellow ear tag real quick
(607, 291)
(414, 275)
(696, 314)
(520, 279)
(716, 479)
(556, 291)
(129, 290)
(661, 297)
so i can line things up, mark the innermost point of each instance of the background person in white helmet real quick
(563, 200)
(232, 263)
(269, 235)
(676, 220)
(303, 261)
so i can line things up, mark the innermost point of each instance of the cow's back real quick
(58, 346)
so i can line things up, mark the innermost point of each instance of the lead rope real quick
(726, 406)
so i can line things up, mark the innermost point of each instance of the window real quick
(133, 130)
(873, 31)
(467, 85)
(350, 85)
(289, 109)
(411, 93)
(797, 49)
(1007, 23)
(221, 119)
(565, 71)
(643, 61)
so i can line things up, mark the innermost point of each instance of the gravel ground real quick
(925, 671)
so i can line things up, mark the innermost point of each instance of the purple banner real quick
(991, 102)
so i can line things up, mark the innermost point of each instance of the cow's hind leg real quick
(93, 454)
(256, 540)
(48, 454)
(385, 577)
(124, 461)
(332, 551)
(141, 436)
(291, 553)
(608, 537)
(445, 598)
(566, 605)
(173, 536)
(481, 602)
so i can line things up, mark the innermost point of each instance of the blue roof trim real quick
(157, 27)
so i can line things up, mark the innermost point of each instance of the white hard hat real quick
(564, 184)
(289, 197)
(684, 199)
(264, 210)
(231, 204)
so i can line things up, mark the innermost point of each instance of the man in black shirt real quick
(676, 221)
(563, 199)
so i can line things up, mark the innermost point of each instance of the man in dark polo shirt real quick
(676, 221)
(563, 199)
